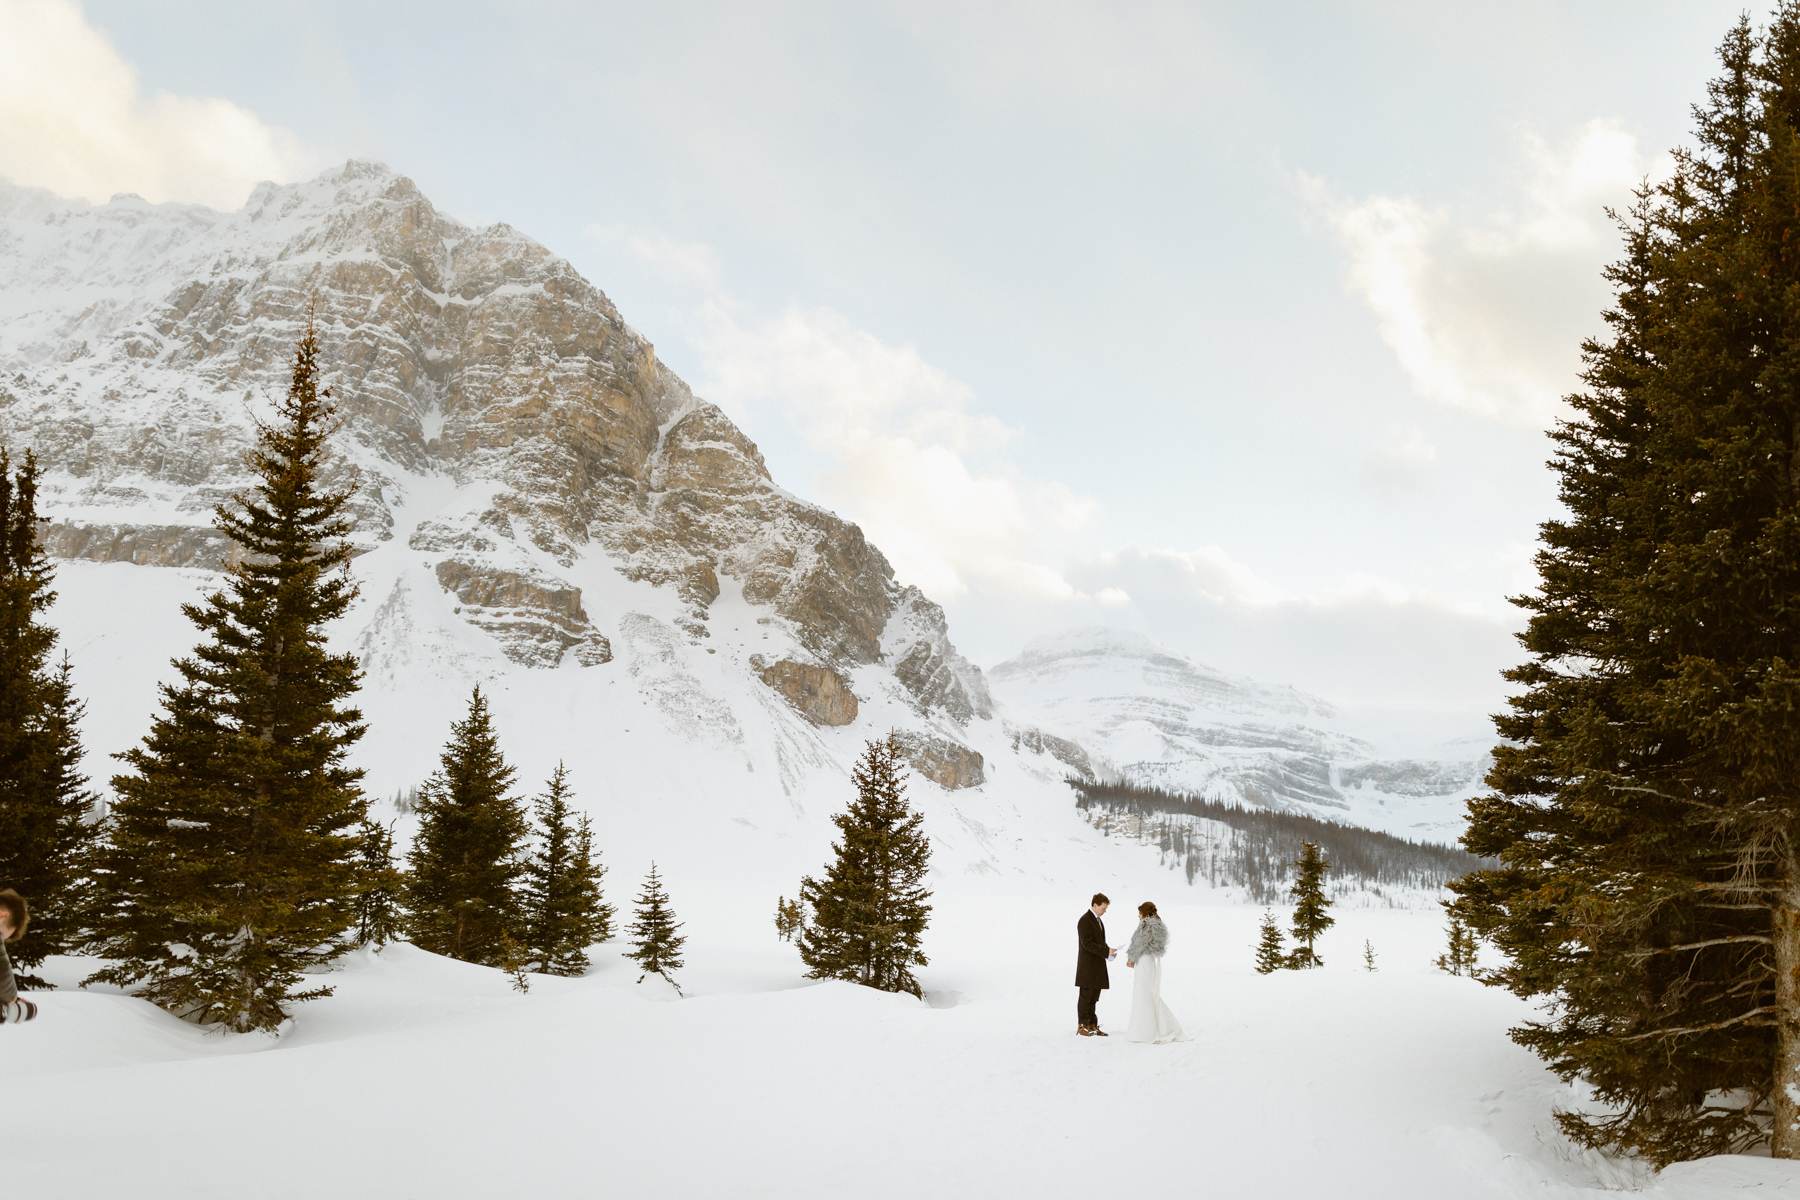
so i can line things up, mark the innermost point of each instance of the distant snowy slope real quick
(1160, 719)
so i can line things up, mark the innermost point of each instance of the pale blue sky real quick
(1238, 324)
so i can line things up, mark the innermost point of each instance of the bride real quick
(1151, 1020)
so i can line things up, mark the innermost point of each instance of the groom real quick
(1090, 966)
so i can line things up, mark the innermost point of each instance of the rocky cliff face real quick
(502, 421)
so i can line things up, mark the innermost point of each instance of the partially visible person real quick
(15, 915)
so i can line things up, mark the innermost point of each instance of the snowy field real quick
(424, 1077)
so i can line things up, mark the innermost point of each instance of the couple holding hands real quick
(1151, 1020)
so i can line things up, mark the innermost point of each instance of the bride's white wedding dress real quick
(1151, 1019)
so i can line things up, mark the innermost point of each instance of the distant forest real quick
(1226, 845)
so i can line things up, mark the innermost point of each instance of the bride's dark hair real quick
(1146, 909)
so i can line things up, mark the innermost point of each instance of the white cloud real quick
(692, 265)
(74, 120)
(908, 455)
(1486, 310)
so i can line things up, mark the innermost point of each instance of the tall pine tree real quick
(45, 829)
(656, 940)
(233, 847)
(1645, 798)
(1311, 907)
(870, 910)
(463, 893)
(565, 907)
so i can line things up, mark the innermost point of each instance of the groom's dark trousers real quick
(1090, 967)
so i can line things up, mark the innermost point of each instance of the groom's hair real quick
(1099, 899)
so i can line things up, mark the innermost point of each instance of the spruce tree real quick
(1368, 956)
(45, 831)
(1645, 794)
(655, 938)
(789, 917)
(379, 885)
(1270, 956)
(64, 900)
(596, 912)
(463, 893)
(564, 908)
(233, 846)
(870, 908)
(1311, 907)
(1460, 948)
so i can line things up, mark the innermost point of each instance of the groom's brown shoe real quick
(1085, 1030)
(1097, 1031)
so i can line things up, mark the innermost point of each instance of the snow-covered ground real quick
(429, 1078)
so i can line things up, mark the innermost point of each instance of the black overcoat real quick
(1090, 963)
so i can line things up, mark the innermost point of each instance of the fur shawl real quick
(1151, 937)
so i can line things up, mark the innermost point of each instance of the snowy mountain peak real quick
(1107, 657)
(1152, 716)
(538, 490)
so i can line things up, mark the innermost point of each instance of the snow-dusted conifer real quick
(462, 895)
(564, 908)
(1270, 957)
(655, 938)
(1311, 906)
(870, 910)
(232, 849)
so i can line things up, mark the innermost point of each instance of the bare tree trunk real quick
(1785, 1139)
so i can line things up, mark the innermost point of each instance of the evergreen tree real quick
(63, 883)
(1459, 953)
(1270, 957)
(513, 962)
(1646, 792)
(1368, 956)
(45, 832)
(565, 913)
(379, 885)
(789, 917)
(233, 851)
(870, 909)
(655, 941)
(596, 911)
(1311, 915)
(463, 894)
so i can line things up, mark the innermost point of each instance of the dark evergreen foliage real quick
(656, 940)
(46, 834)
(380, 883)
(1646, 793)
(463, 893)
(564, 907)
(1311, 907)
(789, 918)
(870, 909)
(232, 857)
(1270, 954)
(1460, 949)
